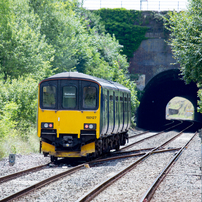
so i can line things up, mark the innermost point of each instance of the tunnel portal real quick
(158, 92)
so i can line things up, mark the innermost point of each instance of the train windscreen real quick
(89, 97)
(69, 95)
(49, 97)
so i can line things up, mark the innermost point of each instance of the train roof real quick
(76, 75)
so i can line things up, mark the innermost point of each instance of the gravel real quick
(183, 182)
(22, 162)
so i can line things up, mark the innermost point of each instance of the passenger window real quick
(89, 97)
(69, 97)
(49, 97)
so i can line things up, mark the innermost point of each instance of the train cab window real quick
(89, 97)
(69, 97)
(49, 97)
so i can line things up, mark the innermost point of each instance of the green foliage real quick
(79, 40)
(186, 40)
(40, 38)
(115, 73)
(126, 26)
(200, 101)
(15, 143)
(90, 19)
(8, 119)
(18, 103)
(23, 49)
(63, 30)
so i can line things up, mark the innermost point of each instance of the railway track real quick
(149, 193)
(102, 186)
(62, 174)
(21, 173)
(41, 183)
(132, 153)
(148, 137)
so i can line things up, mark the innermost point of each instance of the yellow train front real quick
(81, 115)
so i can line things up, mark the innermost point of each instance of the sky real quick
(152, 5)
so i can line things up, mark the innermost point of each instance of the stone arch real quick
(157, 93)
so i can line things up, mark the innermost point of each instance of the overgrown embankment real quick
(41, 38)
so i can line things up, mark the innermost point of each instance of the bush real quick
(18, 103)
(15, 143)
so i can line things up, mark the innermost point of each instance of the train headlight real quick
(90, 126)
(46, 125)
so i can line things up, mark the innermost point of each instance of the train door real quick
(114, 108)
(125, 112)
(111, 112)
(107, 111)
(121, 112)
(117, 111)
(129, 111)
(68, 99)
(116, 117)
(104, 112)
(124, 117)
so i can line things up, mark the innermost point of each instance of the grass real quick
(16, 143)
(184, 107)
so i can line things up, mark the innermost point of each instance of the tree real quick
(126, 26)
(63, 31)
(23, 50)
(80, 41)
(186, 40)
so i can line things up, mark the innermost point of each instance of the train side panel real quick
(115, 111)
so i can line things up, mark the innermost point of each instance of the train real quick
(81, 116)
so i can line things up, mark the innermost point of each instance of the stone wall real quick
(153, 55)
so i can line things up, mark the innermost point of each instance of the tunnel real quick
(158, 92)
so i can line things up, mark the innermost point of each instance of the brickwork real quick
(154, 55)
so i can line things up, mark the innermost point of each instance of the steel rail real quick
(139, 134)
(132, 155)
(150, 192)
(181, 122)
(132, 144)
(170, 123)
(12, 176)
(70, 171)
(23, 172)
(41, 183)
(131, 151)
(99, 188)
